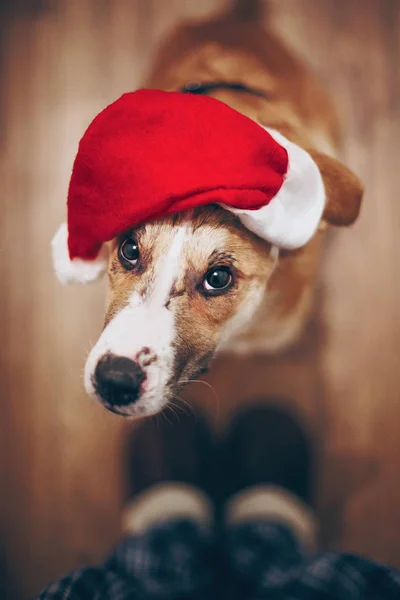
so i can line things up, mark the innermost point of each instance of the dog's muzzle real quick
(117, 380)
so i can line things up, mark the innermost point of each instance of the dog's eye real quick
(217, 280)
(129, 253)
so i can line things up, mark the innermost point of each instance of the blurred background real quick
(61, 467)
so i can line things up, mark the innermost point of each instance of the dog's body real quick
(235, 48)
(159, 319)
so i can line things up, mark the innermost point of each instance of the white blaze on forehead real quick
(167, 270)
(145, 322)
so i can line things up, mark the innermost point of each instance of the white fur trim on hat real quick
(76, 270)
(292, 217)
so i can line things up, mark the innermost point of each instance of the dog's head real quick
(177, 287)
(181, 284)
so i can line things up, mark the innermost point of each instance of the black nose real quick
(117, 380)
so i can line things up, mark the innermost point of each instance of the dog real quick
(209, 285)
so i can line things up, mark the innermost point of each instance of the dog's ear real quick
(344, 190)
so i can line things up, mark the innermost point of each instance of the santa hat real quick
(152, 153)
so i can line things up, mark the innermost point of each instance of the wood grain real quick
(61, 477)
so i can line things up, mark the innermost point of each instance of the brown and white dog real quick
(206, 284)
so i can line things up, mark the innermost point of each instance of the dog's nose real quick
(117, 380)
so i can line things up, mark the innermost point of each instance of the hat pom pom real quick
(76, 270)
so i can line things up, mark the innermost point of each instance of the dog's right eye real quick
(128, 253)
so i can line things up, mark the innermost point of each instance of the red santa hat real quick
(152, 153)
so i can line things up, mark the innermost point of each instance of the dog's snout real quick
(117, 380)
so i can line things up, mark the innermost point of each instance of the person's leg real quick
(167, 549)
(271, 526)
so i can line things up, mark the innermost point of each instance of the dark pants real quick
(255, 560)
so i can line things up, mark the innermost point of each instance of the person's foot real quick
(266, 446)
(168, 550)
(176, 450)
(269, 523)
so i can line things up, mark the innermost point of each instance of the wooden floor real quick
(61, 478)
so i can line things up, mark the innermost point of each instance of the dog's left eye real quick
(217, 280)
(129, 253)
